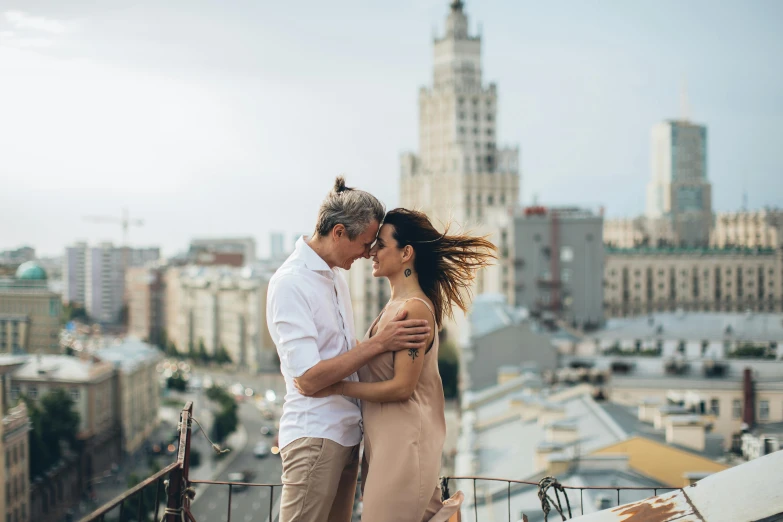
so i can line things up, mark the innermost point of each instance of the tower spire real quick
(457, 5)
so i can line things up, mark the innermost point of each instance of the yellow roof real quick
(663, 463)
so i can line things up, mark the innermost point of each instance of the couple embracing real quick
(386, 387)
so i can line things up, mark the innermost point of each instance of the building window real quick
(32, 392)
(715, 407)
(74, 393)
(14, 391)
(763, 410)
(736, 409)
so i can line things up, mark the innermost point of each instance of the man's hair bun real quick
(339, 185)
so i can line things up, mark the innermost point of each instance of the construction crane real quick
(124, 221)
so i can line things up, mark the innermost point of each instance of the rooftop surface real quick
(695, 325)
(129, 355)
(63, 368)
(490, 312)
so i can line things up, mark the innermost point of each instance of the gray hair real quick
(354, 209)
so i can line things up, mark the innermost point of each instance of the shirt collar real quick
(311, 259)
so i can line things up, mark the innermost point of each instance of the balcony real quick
(168, 495)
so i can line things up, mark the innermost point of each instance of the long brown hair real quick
(445, 264)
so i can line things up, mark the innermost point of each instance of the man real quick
(311, 322)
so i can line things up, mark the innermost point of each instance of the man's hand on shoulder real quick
(403, 334)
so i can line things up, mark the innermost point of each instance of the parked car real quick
(261, 450)
(239, 476)
(267, 431)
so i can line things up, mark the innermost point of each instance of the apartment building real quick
(14, 447)
(220, 308)
(138, 390)
(644, 280)
(145, 293)
(91, 384)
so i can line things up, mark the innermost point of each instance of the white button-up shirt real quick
(310, 319)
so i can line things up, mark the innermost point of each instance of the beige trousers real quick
(319, 481)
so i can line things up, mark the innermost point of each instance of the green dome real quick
(30, 271)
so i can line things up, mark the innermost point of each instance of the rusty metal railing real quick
(545, 485)
(173, 483)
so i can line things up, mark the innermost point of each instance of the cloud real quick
(21, 20)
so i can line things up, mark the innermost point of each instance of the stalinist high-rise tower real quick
(460, 172)
(460, 175)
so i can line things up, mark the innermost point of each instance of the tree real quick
(226, 419)
(54, 422)
(448, 366)
(203, 356)
(131, 505)
(176, 382)
(40, 458)
(222, 357)
(163, 340)
(72, 312)
(60, 420)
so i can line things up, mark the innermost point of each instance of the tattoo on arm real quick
(413, 352)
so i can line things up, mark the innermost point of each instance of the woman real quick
(401, 392)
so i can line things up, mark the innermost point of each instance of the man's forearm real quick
(338, 368)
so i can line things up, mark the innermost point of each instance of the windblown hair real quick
(354, 209)
(445, 264)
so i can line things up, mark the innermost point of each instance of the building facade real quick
(644, 280)
(679, 190)
(220, 308)
(29, 312)
(241, 249)
(75, 273)
(17, 256)
(558, 261)
(14, 448)
(757, 229)
(746, 229)
(138, 390)
(145, 293)
(95, 277)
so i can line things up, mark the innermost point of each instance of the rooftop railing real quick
(167, 495)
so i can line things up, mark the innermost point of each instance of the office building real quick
(558, 261)
(679, 190)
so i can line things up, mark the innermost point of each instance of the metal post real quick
(475, 502)
(509, 500)
(271, 501)
(141, 505)
(230, 489)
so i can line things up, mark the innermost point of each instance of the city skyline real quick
(235, 95)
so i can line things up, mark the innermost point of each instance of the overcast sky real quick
(208, 117)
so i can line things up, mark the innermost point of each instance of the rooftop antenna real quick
(684, 107)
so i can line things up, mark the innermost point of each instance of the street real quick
(249, 504)
(211, 501)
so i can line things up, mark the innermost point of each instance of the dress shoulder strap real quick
(425, 304)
